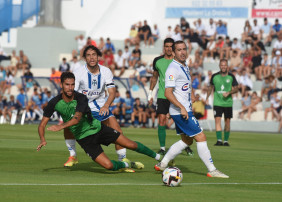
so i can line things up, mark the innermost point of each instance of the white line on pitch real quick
(131, 184)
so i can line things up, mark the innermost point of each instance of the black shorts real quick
(227, 111)
(92, 143)
(162, 106)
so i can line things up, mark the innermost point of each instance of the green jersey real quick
(87, 124)
(161, 64)
(223, 84)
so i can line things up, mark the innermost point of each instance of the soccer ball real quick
(172, 176)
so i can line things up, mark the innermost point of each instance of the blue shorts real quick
(188, 127)
(100, 117)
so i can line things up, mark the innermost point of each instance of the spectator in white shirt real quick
(120, 62)
(210, 29)
(75, 64)
(256, 30)
(200, 28)
(245, 82)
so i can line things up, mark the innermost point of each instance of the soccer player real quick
(160, 65)
(224, 85)
(92, 80)
(178, 91)
(88, 131)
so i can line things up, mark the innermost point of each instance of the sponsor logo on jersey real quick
(185, 87)
(94, 82)
(90, 93)
(170, 77)
(222, 87)
(228, 80)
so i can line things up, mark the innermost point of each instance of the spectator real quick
(75, 64)
(133, 37)
(235, 61)
(237, 76)
(275, 29)
(120, 63)
(10, 81)
(155, 36)
(198, 59)
(146, 33)
(90, 42)
(110, 46)
(265, 66)
(127, 107)
(184, 26)
(255, 104)
(150, 113)
(247, 61)
(245, 102)
(276, 63)
(12, 107)
(194, 41)
(23, 62)
(207, 78)
(2, 79)
(196, 69)
(101, 45)
(216, 51)
(278, 44)
(274, 108)
(221, 29)
(64, 66)
(36, 103)
(268, 86)
(256, 30)
(135, 56)
(81, 42)
(200, 28)
(265, 29)
(126, 55)
(208, 51)
(109, 60)
(198, 107)
(169, 33)
(177, 33)
(257, 44)
(247, 31)
(245, 82)
(14, 62)
(22, 99)
(210, 30)
(116, 107)
(195, 81)
(139, 113)
(55, 76)
(225, 51)
(256, 64)
(236, 46)
(3, 55)
(203, 95)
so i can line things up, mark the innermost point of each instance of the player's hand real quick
(225, 94)
(150, 97)
(104, 111)
(42, 144)
(184, 113)
(55, 128)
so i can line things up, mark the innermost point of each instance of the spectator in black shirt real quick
(64, 67)
(256, 64)
(146, 33)
(184, 25)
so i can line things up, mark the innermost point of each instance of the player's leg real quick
(228, 114)
(70, 142)
(217, 116)
(112, 122)
(162, 110)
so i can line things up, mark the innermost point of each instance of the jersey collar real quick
(180, 63)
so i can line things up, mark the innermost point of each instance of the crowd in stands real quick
(256, 55)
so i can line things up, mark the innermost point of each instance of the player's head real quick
(180, 51)
(223, 65)
(168, 43)
(67, 83)
(91, 55)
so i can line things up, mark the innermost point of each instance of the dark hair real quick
(177, 42)
(223, 60)
(67, 75)
(93, 48)
(168, 40)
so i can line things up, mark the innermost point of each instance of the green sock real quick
(162, 135)
(219, 135)
(145, 150)
(117, 165)
(226, 135)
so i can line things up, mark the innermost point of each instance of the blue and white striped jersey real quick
(178, 77)
(94, 85)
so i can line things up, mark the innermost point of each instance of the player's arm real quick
(75, 120)
(170, 96)
(41, 132)
(210, 89)
(105, 109)
(233, 90)
(153, 82)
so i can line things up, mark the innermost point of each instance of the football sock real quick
(163, 148)
(118, 165)
(226, 136)
(173, 151)
(219, 135)
(71, 146)
(205, 154)
(121, 154)
(162, 135)
(145, 150)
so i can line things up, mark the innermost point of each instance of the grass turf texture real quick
(27, 175)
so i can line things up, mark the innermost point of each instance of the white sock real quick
(163, 148)
(205, 154)
(121, 154)
(158, 156)
(126, 164)
(71, 146)
(173, 151)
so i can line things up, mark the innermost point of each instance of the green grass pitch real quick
(253, 162)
